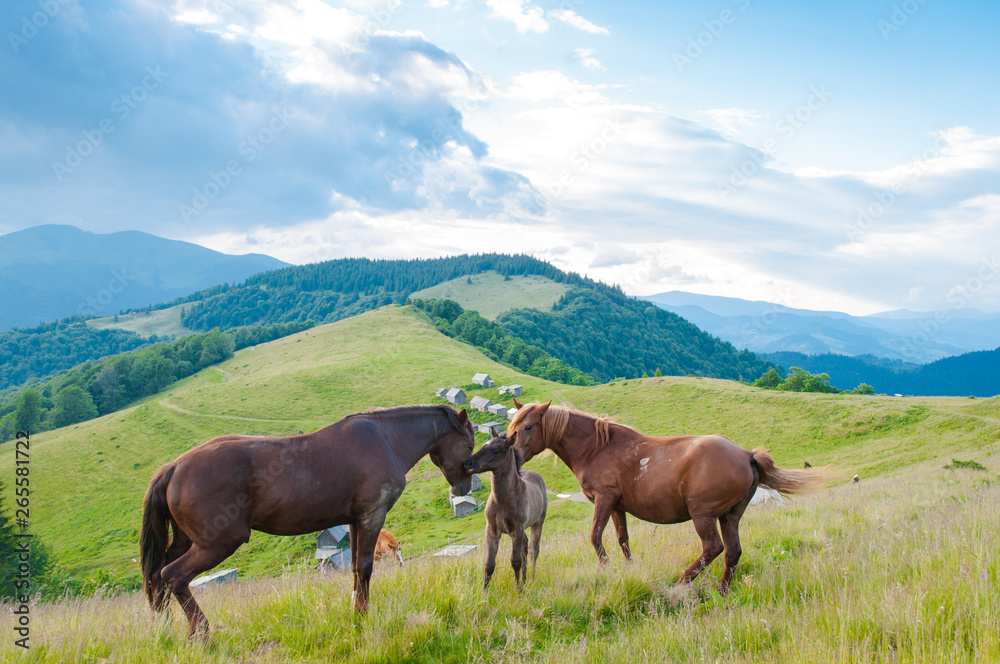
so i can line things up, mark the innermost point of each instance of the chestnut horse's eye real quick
(528, 428)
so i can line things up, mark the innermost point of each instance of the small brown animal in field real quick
(806, 464)
(388, 546)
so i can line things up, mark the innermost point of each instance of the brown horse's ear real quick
(542, 409)
(512, 438)
(463, 416)
(518, 404)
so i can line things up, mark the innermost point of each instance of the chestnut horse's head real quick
(530, 429)
(452, 449)
(493, 455)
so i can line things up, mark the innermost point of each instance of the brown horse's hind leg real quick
(711, 545)
(618, 518)
(178, 547)
(730, 522)
(178, 574)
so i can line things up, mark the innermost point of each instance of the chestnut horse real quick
(349, 472)
(387, 546)
(518, 500)
(705, 479)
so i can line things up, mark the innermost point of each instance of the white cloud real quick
(729, 120)
(570, 17)
(587, 59)
(525, 18)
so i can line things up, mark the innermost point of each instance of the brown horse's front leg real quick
(602, 512)
(364, 561)
(618, 518)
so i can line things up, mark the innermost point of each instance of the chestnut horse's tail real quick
(784, 480)
(153, 538)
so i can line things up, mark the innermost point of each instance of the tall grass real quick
(900, 569)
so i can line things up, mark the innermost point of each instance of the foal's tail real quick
(784, 480)
(153, 538)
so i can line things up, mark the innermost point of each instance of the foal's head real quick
(494, 455)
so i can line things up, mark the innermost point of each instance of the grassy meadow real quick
(900, 567)
(162, 322)
(491, 295)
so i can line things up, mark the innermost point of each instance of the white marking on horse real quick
(643, 462)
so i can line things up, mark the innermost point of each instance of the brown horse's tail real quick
(785, 480)
(153, 539)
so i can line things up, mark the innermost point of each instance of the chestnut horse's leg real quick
(730, 522)
(618, 518)
(492, 544)
(602, 512)
(364, 559)
(711, 546)
(178, 574)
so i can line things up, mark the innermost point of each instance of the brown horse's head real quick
(452, 449)
(533, 433)
(493, 455)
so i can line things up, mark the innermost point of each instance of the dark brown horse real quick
(517, 501)
(349, 472)
(706, 479)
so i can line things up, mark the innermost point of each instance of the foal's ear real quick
(463, 416)
(518, 404)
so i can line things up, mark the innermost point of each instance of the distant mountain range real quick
(52, 272)
(765, 327)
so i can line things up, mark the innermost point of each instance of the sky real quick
(834, 156)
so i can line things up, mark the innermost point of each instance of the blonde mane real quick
(556, 419)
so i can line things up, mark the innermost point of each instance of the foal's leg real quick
(492, 544)
(602, 512)
(518, 554)
(178, 574)
(618, 518)
(711, 546)
(535, 545)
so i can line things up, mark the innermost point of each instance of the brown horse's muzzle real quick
(462, 488)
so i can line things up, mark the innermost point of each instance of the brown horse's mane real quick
(556, 419)
(403, 411)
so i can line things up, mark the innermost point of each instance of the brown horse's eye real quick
(528, 428)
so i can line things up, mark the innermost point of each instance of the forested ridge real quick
(333, 290)
(969, 374)
(595, 329)
(606, 334)
(27, 353)
(497, 343)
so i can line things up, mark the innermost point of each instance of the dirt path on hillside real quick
(184, 411)
(225, 373)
